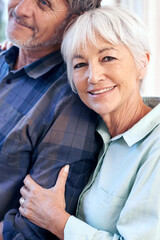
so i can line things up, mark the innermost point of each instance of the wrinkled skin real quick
(46, 207)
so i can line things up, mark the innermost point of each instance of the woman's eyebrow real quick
(99, 51)
(77, 56)
(106, 49)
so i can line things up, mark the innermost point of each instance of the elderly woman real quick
(107, 55)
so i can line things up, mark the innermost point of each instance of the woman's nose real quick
(95, 73)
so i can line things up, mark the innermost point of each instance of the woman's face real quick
(106, 77)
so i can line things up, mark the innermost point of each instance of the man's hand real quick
(46, 207)
(6, 45)
(1, 230)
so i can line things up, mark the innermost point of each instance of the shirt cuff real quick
(77, 229)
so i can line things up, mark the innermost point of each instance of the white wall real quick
(106, 2)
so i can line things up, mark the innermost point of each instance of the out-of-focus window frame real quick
(2, 20)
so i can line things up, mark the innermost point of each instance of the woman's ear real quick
(144, 67)
(146, 60)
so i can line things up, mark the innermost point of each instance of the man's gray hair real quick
(80, 6)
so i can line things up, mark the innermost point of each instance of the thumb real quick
(62, 178)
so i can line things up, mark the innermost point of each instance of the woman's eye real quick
(79, 65)
(108, 59)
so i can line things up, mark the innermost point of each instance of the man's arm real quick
(70, 140)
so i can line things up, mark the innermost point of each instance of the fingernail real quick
(66, 168)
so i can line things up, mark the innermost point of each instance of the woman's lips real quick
(96, 92)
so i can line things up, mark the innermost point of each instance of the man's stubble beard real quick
(33, 43)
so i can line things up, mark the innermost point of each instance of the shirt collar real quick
(139, 131)
(11, 56)
(44, 65)
(37, 68)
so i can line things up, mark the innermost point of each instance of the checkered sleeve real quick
(69, 140)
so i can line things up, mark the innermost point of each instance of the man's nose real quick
(95, 73)
(25, 8)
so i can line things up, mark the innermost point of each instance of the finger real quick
(62, 177)
(24, 192)
(6, 45)
(30, 184)
(22, 211)
(22, 201)
(3, 46)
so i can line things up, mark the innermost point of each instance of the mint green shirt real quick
(122, 199)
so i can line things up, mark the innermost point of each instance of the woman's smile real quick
(101, 91)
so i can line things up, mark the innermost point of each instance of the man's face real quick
(36, 23)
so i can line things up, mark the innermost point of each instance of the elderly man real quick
(43, 124)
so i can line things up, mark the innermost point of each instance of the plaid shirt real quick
(43, 126)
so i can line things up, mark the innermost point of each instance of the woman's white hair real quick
(116, 25)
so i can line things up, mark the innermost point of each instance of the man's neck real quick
(26, 57)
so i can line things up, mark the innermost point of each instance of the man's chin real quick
(19, 42)
(31, 44)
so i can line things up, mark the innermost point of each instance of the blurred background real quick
(148, 10)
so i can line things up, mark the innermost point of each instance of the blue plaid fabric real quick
(43, 126)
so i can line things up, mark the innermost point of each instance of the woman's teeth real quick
(102, 91)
